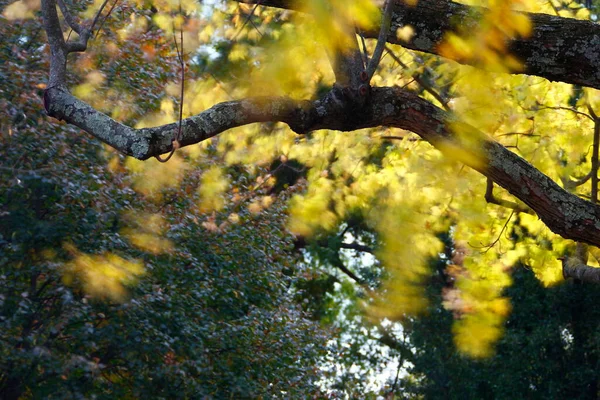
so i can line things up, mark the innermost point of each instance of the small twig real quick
(400, 364)
(382, 39)
(256, 28)
(420, 81)
(247, 20)
(73, 24)
(98, 15)
(489, 247)
(177, 136)
(541, 107)
(490, 198)
(365, 55)
(595, 148)
(105, 18)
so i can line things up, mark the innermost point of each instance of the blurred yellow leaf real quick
(21, 9)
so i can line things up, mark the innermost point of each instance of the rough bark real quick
(559, 49)
(582, 272)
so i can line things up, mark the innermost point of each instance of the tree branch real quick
(382, 38)
(572, 268)
(490, 198)
(357, 247)
(73, 24)
(563, 212)
(558, 49)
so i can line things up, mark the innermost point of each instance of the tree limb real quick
(382, 38)
(563, 212)
(558, 49)
(572, 268)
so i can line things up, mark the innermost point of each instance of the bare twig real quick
(595, 149)
(558, 108)
(98, 15)
(106, 17)
(420, 81)
(247, 20)
(489, 246)
(382, 39)
(73, 24)
(364, 53)
(177, 136)
(357, 247)
(490, 198)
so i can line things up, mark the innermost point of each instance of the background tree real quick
(96, 301)
(548, 344)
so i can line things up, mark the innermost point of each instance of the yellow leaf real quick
(21, 9)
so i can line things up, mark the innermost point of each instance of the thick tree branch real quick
(564, 213)
(559, 49)
(572, 268)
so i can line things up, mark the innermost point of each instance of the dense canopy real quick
(392, 133)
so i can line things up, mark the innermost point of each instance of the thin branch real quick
(177, 136)
(489, 247)
(365, 55)
(490, 198)
(73, 24)
(420, 81)
(85, 34)
(595, 149)
(382, 39)
(98, 15)
(349, 273)
(357, 247)
(106, 17)
(400, 364)
(558, 108)
(570, 183)
(247, 19)
(592, 112)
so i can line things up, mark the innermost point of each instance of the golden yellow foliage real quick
(213, 185)
(21, 9)
(103, 276)
(146, 231)
(487, 46)
(151, 176)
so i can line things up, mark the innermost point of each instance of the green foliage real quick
(550, 342)
(212, 315)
